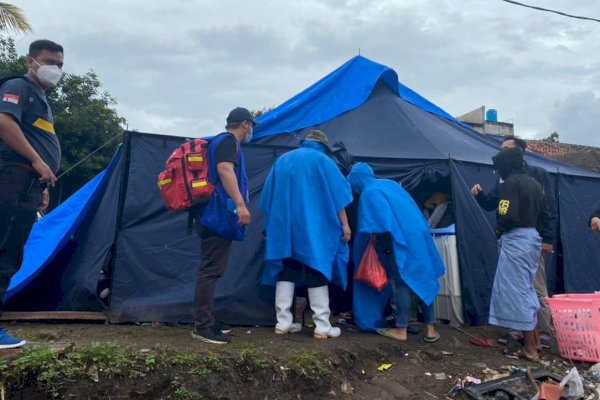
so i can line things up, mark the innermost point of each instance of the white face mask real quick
(49, 75)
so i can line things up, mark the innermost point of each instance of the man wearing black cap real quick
(221, 220)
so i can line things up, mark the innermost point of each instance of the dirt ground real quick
(259, 365)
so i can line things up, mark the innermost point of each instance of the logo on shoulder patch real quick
(503, 207)
(11, 98)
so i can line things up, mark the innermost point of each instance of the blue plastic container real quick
(491, 115)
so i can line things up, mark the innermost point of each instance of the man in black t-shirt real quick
(222, 220)
(29, 157)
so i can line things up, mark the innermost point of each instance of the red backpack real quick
(184, 181)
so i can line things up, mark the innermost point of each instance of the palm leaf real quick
(12, 19)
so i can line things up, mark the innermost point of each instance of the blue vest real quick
(219, 215)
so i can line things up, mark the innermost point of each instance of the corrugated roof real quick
(575, 154)
(554, 149)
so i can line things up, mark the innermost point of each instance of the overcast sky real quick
(179, 66)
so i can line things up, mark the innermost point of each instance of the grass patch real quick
(308, 365)
(53, 374)
(209, 362)
(255, 356)
(181, 392)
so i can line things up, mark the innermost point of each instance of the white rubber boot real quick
(319, 303)
(284, 296)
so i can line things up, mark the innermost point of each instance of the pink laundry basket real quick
(576, 319)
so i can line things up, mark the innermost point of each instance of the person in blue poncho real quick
(307, 231)
(405, 249)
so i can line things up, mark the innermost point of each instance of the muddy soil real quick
(259, 365)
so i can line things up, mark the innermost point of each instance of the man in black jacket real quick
(489, 202)
(520, 214)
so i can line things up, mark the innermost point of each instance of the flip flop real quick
(519, 355)
(509, 337)
(482, 342)
(433, 339)
(387, 332)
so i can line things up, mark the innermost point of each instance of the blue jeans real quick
(401, 292)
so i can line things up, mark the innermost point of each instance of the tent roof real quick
(362, 104)
(342, 90)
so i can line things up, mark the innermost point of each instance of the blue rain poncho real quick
(301, 199)
(385, 206)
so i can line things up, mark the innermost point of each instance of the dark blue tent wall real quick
(154, 262)
(57, 273)
(578, 197)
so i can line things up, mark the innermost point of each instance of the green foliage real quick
(107, 356)
(553, 138)
(213, 362)
(13, 19)
(85, 119)
(11, 64)
(254, 356)
(308, 365)
(261, 111)
(181, 392)
(187, 359)
(100, 362)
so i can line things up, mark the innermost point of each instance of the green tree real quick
(11, 64)
(552, 138)
(260, 112)
(85, 119)
(12, 19)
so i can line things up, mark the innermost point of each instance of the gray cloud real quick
(575, 118)
(178, 67)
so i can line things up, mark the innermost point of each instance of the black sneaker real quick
(209, 335)
(222, 328)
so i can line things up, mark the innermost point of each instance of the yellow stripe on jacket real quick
(44, 125)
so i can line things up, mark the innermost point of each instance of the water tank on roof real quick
(491, 115)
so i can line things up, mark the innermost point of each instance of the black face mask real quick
(508, 161)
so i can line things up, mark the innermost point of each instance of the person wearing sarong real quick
(304, 199)
(489, 202)
(514, 303)
(405, 249)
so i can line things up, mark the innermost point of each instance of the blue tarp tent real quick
(120, 224)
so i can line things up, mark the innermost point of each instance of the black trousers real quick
(20, 196)
(215, 254)
(292, 272)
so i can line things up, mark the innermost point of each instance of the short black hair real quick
(520, 143)
(35, 48)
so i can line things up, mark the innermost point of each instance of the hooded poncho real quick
(385, 206)
(301, 199)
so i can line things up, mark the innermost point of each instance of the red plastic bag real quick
(370, 270)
